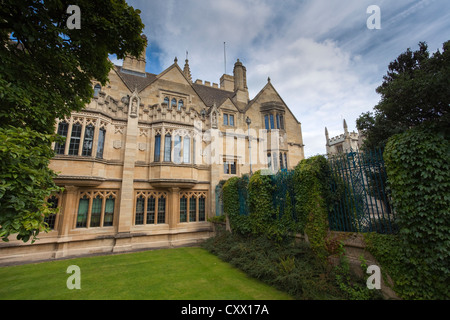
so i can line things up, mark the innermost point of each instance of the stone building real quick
(343, 143)
(141, 162)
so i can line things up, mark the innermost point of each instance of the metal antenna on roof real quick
(224, 59)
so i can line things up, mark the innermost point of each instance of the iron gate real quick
(362, 202)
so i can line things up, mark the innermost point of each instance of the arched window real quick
(88, 140)
(180, 104)
(63, 127)
(109, 212)
(167, 148)
(202, 209)
(166, 101)
(161, 210)
(75, 139)
(151, 210)
(174, 103)
(187, 149)
(183, 209)
(96, 211)
(101, 143)
(97, 89)
(157, 148)
(140, 203)
(83, 208)
(177, 149)
(192, 209)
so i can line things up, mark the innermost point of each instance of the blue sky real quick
(319, 54)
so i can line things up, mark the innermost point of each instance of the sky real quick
(320, 55)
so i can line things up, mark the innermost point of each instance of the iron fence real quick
(363, 203)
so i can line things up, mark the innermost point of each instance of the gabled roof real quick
(209, 95)
(134, 80)
(267, 86)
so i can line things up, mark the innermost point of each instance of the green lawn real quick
(167, 274)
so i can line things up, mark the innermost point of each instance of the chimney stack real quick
(136, 63)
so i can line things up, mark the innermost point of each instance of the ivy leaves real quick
(418, 168)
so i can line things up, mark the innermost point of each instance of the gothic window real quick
(272, 124)
(63, 127)
(183, 209)
(101, 143)
(75, 139)
(281, 122)
(173, 103)
(157, 148)
(96, 211)
(201, 208)
(83, 208)
(109, 212)
(90, 208)
(88, 140)
(139, 218)
(167, 148)
(180, 104)
(187, 149)
(281, 161)
(192, 209)
(166, 101)
(150, 210)
(97, 89)
(192, 206)
(177, 149)
(161, 210)
(266, 121)
(275, 161)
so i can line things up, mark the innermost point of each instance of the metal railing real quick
(362, 202)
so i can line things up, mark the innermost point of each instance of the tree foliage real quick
(25, 182)
(45, 73)
(415, 90)
(46, 68)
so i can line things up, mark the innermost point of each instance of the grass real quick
(167, 274)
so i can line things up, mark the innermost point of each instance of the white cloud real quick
(321, 58)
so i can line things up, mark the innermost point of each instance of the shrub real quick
(311, 181)
(261, 209)
(289, 266)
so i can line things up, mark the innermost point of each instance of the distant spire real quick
(326, 132)
(345, 127)
(175, 60)
(187, 70)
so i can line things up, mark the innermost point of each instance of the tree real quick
(45, 73)
(415, 90)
